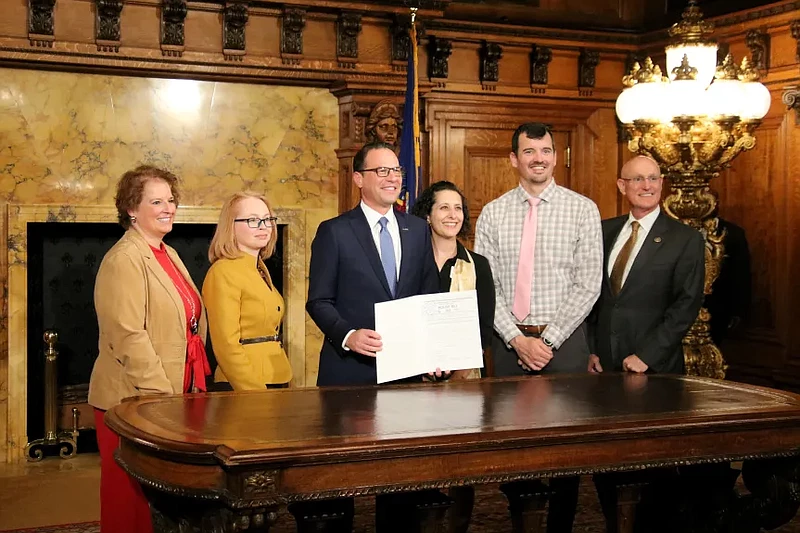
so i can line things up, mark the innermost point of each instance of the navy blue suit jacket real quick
(346, 280)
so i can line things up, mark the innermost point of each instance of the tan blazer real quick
(242, 306)
(142, 322)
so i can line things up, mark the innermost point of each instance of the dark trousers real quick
(224, 386)
(571, 356)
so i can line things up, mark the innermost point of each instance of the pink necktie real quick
(522, 289)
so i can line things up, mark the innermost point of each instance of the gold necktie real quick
(622, 259)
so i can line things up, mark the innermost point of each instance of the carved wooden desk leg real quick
(412, 512)
(326, 516)
(527, 502)
(172, 515)
(628, 497)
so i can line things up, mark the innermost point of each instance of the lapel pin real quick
(657, 239)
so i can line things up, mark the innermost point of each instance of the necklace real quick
(186, 293)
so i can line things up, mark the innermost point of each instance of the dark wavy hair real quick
(424, 204)
(532, 130)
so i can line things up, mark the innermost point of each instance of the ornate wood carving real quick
(791, 98)
(587, 63)
(40, 22)
(348, 27)
(173, 14)
(235, 15)
(490, 64)
(260, 483)
(292, 25)
(540, 60)
(795, 28)
(758, 42)
(401, 41)
(107, 26)
(439, 51)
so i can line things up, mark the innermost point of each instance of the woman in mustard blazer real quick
(152, 330)
(244, 308)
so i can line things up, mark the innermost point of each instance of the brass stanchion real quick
(65, 440)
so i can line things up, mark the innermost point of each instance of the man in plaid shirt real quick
(552, 236)
(567, 263)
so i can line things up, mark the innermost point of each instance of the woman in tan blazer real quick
(152, 330)
(244, 307)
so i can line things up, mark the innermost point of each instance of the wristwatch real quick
(546, 342)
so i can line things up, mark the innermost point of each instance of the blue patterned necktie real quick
(387, 255)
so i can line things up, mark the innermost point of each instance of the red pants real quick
(123, 507)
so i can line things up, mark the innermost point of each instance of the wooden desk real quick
(233, 459)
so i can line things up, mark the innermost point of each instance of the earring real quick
(133, 219)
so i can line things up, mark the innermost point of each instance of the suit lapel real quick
(402, 222)
(363, 233)
(158, 272)
(649, 248)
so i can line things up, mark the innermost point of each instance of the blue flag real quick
(409, 141)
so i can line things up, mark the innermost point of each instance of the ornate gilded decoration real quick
(107, 25)
(173, 14)
(795, 29)
(234, 20)
(491, 53)
(587, 63)
(758, 42)
(540, 60)
(348, 27)
(692, 28)
(439, 51)
(723, 49)
(260, 483)
(791, 99)
(292, 24)
(40, 22)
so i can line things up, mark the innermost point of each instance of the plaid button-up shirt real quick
(567, 264)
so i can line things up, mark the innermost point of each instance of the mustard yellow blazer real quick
(142, 322)
(241, 306)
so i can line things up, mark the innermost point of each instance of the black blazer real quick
(346, 280)
(731, 292)
(658, 302)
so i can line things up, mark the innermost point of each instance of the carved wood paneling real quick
(173, 14)
(292, 24)
(490, 62)
(40, 22)
(587, 63)
(540, 60)
(794, 27)
(234, 43)
(348, 28)
(758, 41)
(439, 51)
(107, 25)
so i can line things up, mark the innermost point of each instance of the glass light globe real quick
(652, 96)
(626, 105)
(755, 101)
(685, 97)
(725, 98)
(702, 56)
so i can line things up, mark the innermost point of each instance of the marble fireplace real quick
(26, 224)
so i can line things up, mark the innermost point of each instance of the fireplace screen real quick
(63, 259)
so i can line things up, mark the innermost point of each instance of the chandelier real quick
(694, 122)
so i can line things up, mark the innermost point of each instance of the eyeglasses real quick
(255, 222)
(383, 172)
(638, 180)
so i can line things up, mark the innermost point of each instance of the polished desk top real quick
(306, 426)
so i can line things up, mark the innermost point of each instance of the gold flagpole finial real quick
(413, 14)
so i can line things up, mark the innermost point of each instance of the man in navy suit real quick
(368, 255)
(652, 284)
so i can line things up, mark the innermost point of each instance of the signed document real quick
(426, 332)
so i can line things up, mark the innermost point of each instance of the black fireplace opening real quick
(63, 259)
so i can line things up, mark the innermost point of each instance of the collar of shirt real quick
(547, 195)
(373, 217)
(647, 221)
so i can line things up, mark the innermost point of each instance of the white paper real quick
(426, 332)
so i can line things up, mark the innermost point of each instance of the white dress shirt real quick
(646, 223)
(373, 219)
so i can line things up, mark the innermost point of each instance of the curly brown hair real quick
(130, 189)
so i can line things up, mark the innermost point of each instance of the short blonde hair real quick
(224, 242)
